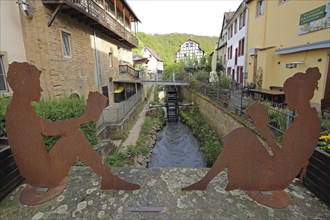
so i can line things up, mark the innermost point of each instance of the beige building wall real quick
(88, 69)
(278, 29)
(11, 37)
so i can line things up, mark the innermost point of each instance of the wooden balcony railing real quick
(94, 12)
(129, 70)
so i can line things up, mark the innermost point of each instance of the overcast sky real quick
(198, 17)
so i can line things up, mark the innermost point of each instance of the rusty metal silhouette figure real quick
(249, 165)
(25, 129)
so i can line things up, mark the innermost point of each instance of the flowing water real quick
(176, 147)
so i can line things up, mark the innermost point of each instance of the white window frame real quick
(3, 74)
(66, 44)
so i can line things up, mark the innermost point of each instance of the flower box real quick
(318, 174)
(9, 173)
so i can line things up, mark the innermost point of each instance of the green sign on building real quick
(315, 20)
(313, 15)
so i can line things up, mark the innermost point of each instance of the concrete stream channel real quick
(176, 147)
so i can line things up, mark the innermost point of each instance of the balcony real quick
(95, 16)
(125, 69)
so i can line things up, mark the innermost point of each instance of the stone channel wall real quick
(212, 112)
(116, 131)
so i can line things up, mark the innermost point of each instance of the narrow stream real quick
(176, 147)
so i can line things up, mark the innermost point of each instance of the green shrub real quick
(277, 114)
(63, 109)
(208, 139)
(120, 158)
(224, 82)
(202, 76)
(4, 102)
(325, 123)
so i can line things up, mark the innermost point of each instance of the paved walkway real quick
(135, 131)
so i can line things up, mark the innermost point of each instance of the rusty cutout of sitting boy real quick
(250, 167)
(25, 129)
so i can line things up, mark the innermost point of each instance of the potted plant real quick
(318, 171)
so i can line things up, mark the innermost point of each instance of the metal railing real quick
(129, 70)
(236, 101)
(116, 112)
(97, 13)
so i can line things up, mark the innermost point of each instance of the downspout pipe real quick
(97, 61)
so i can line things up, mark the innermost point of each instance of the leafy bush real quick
(278, 115)
(224, 82)
(63, 109)
(202, 76)
(125, 158)
(325, 123)
(118, 159)
(209, 140)
(177, 68)
(4, 102)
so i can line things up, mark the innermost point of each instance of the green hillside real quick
(167, 45)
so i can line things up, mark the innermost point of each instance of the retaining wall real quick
(212, 112)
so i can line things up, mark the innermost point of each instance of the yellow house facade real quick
(285, 37)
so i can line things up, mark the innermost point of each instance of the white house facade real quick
(222, 42)
(155, 64)
(189, 49)
(236, 45)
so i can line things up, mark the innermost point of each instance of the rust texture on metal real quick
(31, 196)
(250, 166)
(25, 129)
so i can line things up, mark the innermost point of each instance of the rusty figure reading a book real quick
(250, 166)
(25, 129)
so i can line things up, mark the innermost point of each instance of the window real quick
(109, 6)
(242, 19)
(100, 2)
(235, 27)
(230, 31)
(110, 60)
(3, 84)
(230, 52)
(241, 47)
(228, 71)
(240, 74)
(66, 41)
(260, 7)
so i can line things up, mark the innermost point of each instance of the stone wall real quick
(89, 67)
(160, 197)
(212, 112)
